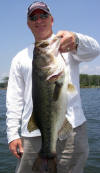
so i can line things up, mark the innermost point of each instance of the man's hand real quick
(67, 41)
(16, 145)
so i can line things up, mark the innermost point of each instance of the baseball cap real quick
(38, 5)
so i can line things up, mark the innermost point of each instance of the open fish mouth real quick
(46, 43)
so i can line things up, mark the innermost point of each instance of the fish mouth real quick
(46, 43)
(55, 39)
(42, 44)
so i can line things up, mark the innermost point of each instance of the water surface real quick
(91, 107)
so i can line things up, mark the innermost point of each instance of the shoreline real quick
(80, 87)
(3, 88)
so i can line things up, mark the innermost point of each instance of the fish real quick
(50, 88)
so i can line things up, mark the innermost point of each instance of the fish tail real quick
(52, 165)
(38, 164)
(45, 165)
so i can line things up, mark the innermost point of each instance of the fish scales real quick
(43, 103)
(49, 88)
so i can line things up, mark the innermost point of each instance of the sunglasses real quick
(41, 16)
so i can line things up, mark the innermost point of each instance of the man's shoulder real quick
(26, 53)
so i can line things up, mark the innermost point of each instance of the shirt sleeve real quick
(14, 101)
(88, 48)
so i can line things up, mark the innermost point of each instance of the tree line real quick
(4, 82)
(89, 81)
(86, 81)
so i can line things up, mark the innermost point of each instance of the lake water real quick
(91, 107)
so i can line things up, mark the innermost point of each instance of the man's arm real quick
(14, 103)
(86, 50)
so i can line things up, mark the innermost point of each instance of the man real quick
(72, 153)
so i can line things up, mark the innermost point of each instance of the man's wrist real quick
(76, 41)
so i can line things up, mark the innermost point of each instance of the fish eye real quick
(43, 45)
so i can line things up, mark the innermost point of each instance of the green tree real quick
(4, 82)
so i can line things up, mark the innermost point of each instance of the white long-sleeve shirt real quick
(19, 91)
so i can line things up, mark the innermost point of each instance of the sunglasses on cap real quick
(41, 16)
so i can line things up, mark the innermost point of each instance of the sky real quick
(81, 16)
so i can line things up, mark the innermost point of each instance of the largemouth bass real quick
(50, 87)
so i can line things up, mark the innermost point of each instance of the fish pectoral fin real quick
(31, 124)
(65, 130)
(56, 92)
(71, 87)
(58, 86)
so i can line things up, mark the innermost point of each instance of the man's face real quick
(42, 27)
